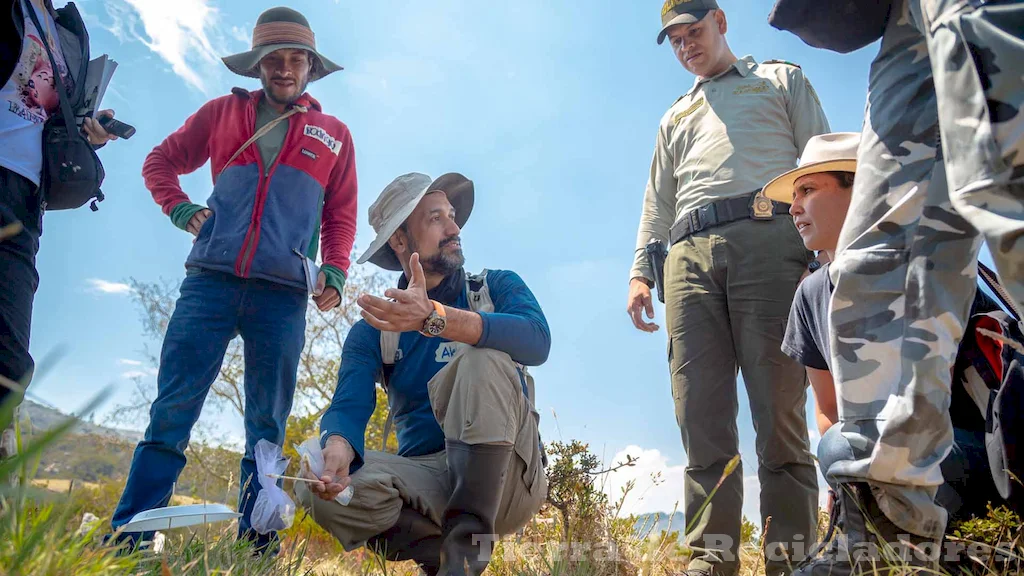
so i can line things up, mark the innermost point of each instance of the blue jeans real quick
(212, 309)
(968, 485)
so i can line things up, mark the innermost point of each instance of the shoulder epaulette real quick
(781, 62)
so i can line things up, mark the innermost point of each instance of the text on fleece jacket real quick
(517, 327)
(263, 214)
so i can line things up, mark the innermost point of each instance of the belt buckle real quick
(694, 218)
(761, 207)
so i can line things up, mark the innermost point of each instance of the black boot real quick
(414, 537)
(477, 475)
(869, 544)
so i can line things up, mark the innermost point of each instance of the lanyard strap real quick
(262, 131)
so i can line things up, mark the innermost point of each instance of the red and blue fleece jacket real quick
(266, 219)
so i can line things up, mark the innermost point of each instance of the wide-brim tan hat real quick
(400, 198)
(833, 152)
(276, 29)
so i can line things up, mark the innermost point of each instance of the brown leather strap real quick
(262, 131)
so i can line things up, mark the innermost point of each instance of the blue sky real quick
(550, 107)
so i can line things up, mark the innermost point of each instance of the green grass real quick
(39, 536)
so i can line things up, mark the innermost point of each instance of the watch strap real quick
(438, 312)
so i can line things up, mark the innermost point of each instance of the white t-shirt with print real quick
(30, 97)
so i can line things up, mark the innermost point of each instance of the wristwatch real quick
(435, 323)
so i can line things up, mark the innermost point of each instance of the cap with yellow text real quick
(683, 12)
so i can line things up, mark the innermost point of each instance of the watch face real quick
(434, 325)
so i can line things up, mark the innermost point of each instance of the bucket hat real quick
(397, 202)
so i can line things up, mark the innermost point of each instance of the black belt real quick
(720, 212)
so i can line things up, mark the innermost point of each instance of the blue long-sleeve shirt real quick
(517, 327)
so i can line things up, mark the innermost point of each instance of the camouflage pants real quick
(905, 274)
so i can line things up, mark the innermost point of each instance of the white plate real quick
(179, 517)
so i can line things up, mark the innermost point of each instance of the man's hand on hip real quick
(338, 456)
(639, 302)
(195, 224)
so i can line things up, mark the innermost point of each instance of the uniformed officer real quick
(734, 263)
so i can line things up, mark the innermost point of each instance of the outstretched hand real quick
(406, 310)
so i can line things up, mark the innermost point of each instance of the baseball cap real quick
(683, 12)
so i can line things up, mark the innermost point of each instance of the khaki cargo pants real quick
(728, 294)
(478, 399)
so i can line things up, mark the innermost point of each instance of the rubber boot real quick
(413, 537)
(870, 543)
(477, 474)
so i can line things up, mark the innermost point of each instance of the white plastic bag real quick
(313, 457)
(274, 509)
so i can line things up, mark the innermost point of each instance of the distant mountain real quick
(655, 523)
(102, 455)
(41, 418)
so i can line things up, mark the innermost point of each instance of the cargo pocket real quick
(528, 451)
(530, 490)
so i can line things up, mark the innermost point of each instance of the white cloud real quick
(752, 498)
(648, 494)
(127, 362)
(183, 33)
(242, 34)
(107, 287)
(131, 374)
(814, 437)
(666, 494)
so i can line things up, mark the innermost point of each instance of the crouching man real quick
(451, 349)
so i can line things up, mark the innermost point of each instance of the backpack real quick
(479, 297)
(72, 172)
(990, 366)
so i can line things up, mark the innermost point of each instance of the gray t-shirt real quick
(270, 144)
(806, 339)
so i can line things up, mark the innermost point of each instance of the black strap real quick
(992, 280)
(65, 107)
(716, 213)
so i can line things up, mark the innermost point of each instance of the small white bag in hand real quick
(312, 456)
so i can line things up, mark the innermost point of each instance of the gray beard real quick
(441, 263)
(444, 264)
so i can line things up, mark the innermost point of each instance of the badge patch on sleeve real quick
(761, 87)
(693, 108)
(318, 133)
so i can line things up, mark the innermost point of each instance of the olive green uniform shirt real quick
(728, 136)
